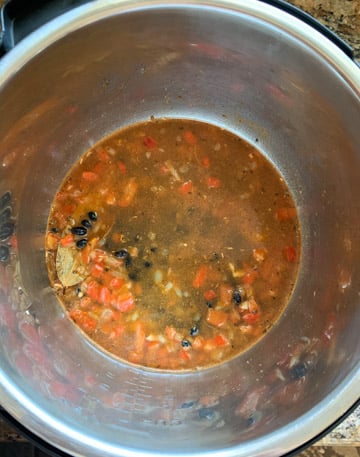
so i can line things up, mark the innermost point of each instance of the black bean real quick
(5, 215)
(185, 343)
(54, 230)
(86, 223)
(6, 230)
(92, 216)
(237, 297)
(206, 413)
(194, 330)
(4, 253)
(209, 304)
(121, 254)
(80, 244)
(79, 231)
(5, 199)
(147, 264)
(298, 371)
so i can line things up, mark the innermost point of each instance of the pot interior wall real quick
(243, 74)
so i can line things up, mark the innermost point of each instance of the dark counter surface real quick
(341, 16)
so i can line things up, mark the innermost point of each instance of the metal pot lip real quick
(284, 442)
(91, 12)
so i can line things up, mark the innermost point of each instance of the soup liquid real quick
(173, 244)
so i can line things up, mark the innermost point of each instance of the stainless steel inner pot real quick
(249, 68)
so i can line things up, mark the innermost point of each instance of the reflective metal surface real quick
(255, 71)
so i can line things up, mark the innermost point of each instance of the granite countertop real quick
(341, 16)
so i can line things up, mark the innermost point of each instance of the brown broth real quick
(173, 244)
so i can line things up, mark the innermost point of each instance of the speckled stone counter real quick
(341, 16)
(345, 434)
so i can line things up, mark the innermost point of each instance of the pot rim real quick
(90, 12)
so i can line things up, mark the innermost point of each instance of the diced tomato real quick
(206, 162)
(289, 253)
(185, 355)
(213, 183)
(210, 295)
(201, 276)
(125, 302)
(97, 270)
(220, 340)
(189, 137)
(83, 319)
(117, 331)
(89, 176)
(250, 276)
(129, 193)
(105, 295)
(117, 237)
(116, 283)
(98, 170)
(250, 318)
(217, 318)
(68, 209)
(122, 167)
(67, 240)
(186, 188)
(103, 155)
(198, 342)
(86, 303)
(285, 214)
(93, 290)
(149, 142)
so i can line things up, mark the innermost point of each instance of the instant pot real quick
(262, 70)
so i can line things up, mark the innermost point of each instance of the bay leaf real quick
(67, 266)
